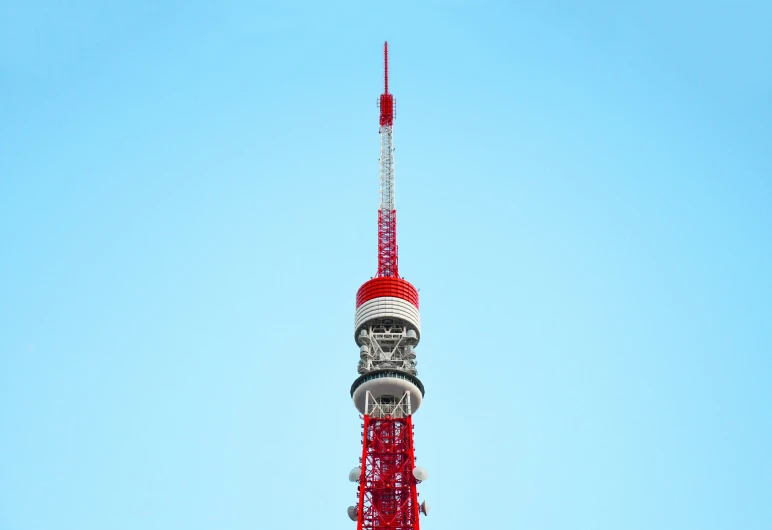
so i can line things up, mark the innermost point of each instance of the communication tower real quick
(387, 329)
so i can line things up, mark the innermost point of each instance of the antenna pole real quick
(386, 67)
(388, 262)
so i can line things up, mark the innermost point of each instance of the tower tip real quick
(386, 100)
(386, 67)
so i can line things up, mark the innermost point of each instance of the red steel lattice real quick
(388, 499)
(388, 265)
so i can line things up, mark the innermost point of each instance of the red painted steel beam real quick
(387, 497)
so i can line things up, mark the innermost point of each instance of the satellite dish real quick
(420, 474)
(424, 508)
(353, 476)
(352, 513)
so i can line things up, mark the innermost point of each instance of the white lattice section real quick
(387, 347)
(380, 408)
(392, 385)
(388, 202)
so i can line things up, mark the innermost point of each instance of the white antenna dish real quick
(352, 513)
(424, 508)
(420, 474)
(354, 474)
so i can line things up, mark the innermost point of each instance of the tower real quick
(387, 328)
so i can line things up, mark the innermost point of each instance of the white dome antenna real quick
(420, 474)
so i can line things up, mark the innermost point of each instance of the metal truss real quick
(387, 488)
(387, 406)
(387, 346)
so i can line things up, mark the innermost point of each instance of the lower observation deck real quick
(386, 383)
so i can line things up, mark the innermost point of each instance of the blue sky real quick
(188, 205)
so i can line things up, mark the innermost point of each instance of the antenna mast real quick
(387, 213)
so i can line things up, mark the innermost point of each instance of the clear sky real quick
(188, 196)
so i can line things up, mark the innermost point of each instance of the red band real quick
(387, 286)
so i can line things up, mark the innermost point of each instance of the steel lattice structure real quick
(387, 490)
(387, 328)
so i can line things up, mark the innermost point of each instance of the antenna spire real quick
(387, 212)
(386, 67)
(386, 100)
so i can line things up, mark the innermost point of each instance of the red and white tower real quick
(387, 328)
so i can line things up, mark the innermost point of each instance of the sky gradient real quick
(188, 197)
